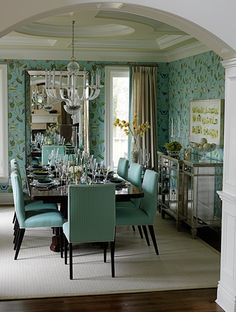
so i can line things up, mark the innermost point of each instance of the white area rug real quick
(183, 263)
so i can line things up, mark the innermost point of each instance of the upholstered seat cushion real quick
(66, 229)
(125, 204)
(130, 215)
(40, 205)
(45, 218)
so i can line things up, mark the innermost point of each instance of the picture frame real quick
(206, 121)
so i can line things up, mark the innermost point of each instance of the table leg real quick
(55, 245)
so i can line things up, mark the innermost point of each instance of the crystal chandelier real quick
(73, 86)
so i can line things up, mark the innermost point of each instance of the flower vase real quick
(174, 154)
(77, 178)
(135, 151)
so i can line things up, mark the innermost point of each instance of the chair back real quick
(18, 197)
(122, 169)
(15, 167)
(14, 164)
(47, 149)
(149, 201)
(91, 213)
(135, 174)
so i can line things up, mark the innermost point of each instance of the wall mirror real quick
(45, 112)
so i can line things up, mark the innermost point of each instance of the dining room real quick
(177, 83)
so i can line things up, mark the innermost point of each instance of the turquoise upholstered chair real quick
(122, 168)
(29, 204)
(135, 174)
(28, 218)
(143, 215)
(91, 218)
(135, 177)
(47, 149)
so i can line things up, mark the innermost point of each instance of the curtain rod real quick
(134, 64)
(143, 64)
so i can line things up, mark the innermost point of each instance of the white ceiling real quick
(101, 33)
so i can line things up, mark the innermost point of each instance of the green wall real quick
(197, 77)
(19, 107)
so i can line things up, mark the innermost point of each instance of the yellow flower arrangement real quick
(133, 128)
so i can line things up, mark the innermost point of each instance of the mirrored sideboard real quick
(187, 191)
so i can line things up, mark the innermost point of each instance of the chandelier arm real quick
(61, 91)
(71, 111)
(80, 98)
(90, 92)
(95, 95)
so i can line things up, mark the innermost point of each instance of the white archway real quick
(203, 21)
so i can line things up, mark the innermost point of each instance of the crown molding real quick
(103, 54)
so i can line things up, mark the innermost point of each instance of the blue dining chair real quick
(122, 168)
(135, 177)
(47, 150)
(143, 215)
(29, 204)
(39, 218)
(135, 174)
(91, 219)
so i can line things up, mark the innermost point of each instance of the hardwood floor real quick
(163, 301)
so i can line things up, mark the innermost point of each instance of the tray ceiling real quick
(101, 33)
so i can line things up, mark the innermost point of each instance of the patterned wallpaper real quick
(198, 77)
(162, 105)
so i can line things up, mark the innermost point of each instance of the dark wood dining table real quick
(58, 194)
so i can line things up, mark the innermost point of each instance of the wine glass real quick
(107, 173)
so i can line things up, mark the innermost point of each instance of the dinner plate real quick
(43, 183)
(116, 180)
(40, 174)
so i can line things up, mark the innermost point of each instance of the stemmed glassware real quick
(145, 158)
(39, 139)
(93, 168)
(107, 174)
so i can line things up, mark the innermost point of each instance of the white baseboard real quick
(226, 298)
(6, 199)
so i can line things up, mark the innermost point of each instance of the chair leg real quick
(65, 248)
(105, 252)
(14, 218)
(71, 262)
(19, 241)
(17, 233)
(152, 233)
(61, 241)
(146, 234)
(113, 259)
(140, 231)
(15, 230)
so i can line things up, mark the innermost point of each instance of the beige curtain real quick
(144, 104)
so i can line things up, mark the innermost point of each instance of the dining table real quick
(124, 191)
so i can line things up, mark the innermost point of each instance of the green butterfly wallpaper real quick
(179, 82)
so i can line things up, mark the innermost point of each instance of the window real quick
(3, 124)
(117, 106)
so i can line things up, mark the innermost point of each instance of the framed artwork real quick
(206, 121)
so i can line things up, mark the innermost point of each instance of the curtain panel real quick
(144, 104)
